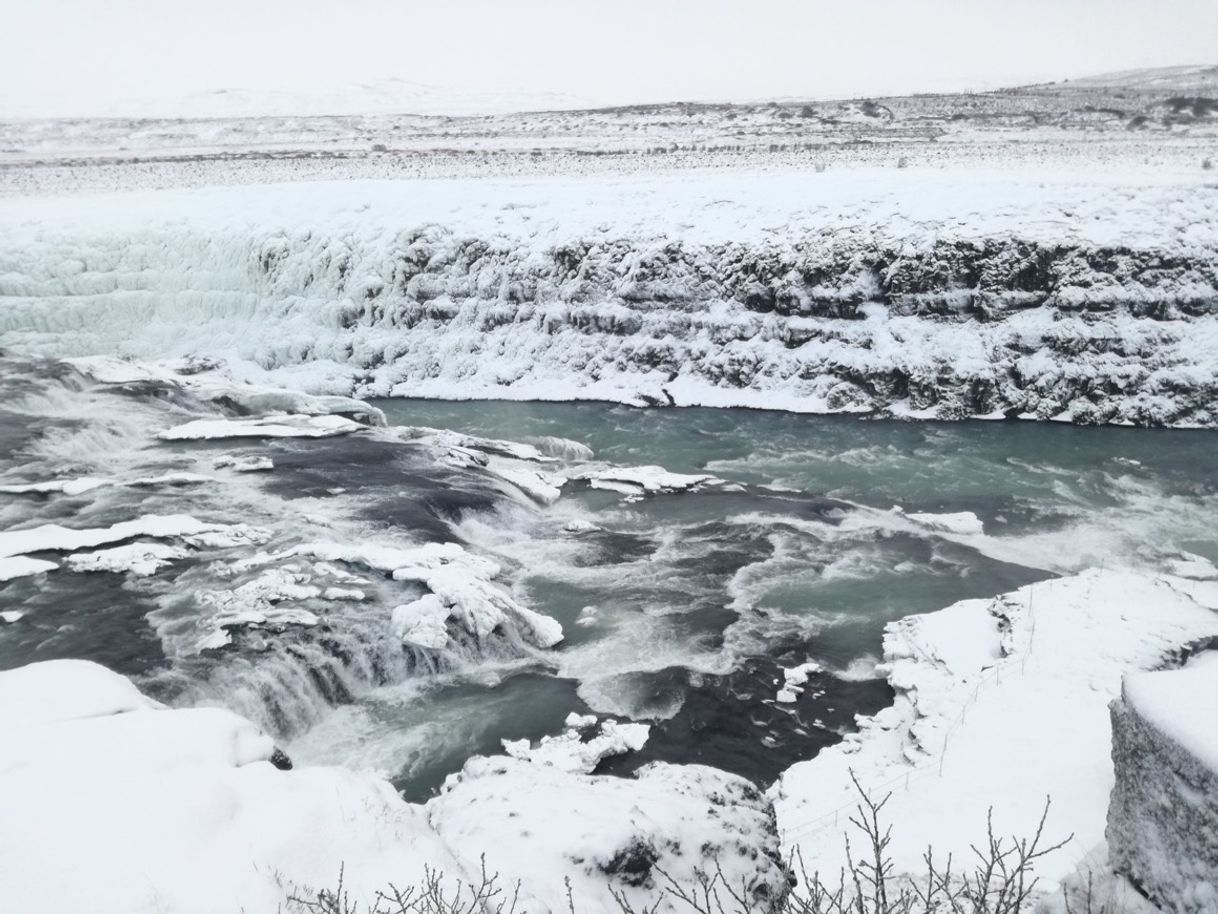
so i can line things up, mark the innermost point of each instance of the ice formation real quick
(1032, 295)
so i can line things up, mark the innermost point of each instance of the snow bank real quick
(999, 703)
(1163, 820)
(194, 811)
(178, 810)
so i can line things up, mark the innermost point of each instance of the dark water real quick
(701, 599)
(679, 609)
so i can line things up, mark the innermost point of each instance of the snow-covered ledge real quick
(1163, 819)
(195, 811)
(1000, 703)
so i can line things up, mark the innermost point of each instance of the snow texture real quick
(265, 427)
(461, 582)
(1010, 691)
(193, 811)
(610, 831)
(1163, 819)
(55, 538)
(178, 810)
(946, 293)
(569, 751)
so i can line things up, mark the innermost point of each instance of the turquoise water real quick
(682, 609)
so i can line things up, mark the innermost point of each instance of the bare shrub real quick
(998, 878)
(431, 896)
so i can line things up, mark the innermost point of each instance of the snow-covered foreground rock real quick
(192, 810)
(184, 811)
(1000, 704)
(934, 293)
(1163, 822)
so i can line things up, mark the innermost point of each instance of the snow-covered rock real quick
(958, 294)
(1163, 818)
(20, 566)
(65, 486)
(999, 704)
(961, 522)
(541, 823)
(56, 538)
(245, 463)
(462, 583)
(283, 426)
(570, 751)
(178, 810)
(195, 811)
(644, 480)
(139, 559)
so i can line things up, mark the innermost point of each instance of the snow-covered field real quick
(255, 631)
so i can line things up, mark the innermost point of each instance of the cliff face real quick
(935, 295)
(836, 321)
(1163, 818)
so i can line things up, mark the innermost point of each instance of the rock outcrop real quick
(1163, 819)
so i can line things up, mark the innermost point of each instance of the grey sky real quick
(65, 56)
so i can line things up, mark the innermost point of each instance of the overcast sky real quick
(72, 56)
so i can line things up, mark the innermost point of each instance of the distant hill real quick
(387, 96)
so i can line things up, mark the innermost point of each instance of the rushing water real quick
(679, 609)
(682, 609)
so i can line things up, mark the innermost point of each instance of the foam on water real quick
(681, 608)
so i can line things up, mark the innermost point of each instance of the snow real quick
(76, 486)
(285, 426)
(244, 463)
(963, 523)
(662, 280)
(569, 751)
(20, 566)
(139, 559)
(1164, 804)
(189, 810)
(462, 583)
(641, 480)
(1179, 703)
(999, 703)
(58, 690)
(536, 822)
(794, 679)
(422, 623)
(259, 602)
(55, 538)
(391, 95)
(543, 488)
(178, 809)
